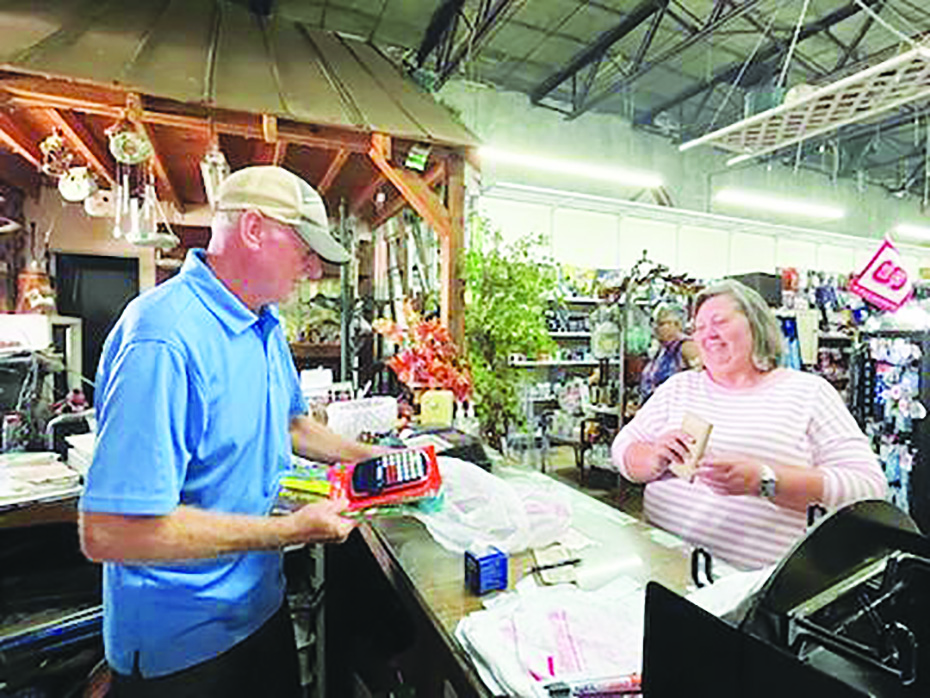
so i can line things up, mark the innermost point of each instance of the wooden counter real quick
(61, 509)
(429, 581)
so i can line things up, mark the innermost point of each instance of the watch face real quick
(767, 488)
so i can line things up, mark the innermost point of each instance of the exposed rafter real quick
(169, 191)
(332, 171)
(279, 153)
(440, 32)
(17, 142)
(28, 92)
(770, 51)
(698, 35)
(797, 56)
(860, 35)
(423, 200)
(596, 51)
(442, 37)
(79, 138)
(431, 178)
(363, 196)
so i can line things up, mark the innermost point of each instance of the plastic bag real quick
(482, 509)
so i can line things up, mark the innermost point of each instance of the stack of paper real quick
(81, 451)
(29, 476)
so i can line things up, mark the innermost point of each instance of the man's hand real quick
(727, 473)
(322, 522)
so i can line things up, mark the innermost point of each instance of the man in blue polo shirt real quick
(199, 408)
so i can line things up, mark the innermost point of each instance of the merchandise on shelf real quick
(887, 398)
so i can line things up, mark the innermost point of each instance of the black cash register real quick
(844, 614)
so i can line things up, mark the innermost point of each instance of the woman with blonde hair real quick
(781, 439)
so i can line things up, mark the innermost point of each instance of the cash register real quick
(845, 613)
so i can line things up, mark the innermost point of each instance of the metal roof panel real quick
(174, 58)
(377, 108)
(219, 53)
(308, 91)
(244, 74)
(94, 44)
(432, 117)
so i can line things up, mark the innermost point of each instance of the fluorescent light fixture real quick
(632, 178)
(736, 160)
(766, 202)
(915, 232)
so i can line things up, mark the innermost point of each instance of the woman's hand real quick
(728, 473)
(674, 445)
(645, 461)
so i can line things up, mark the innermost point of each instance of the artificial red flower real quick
(427, 356)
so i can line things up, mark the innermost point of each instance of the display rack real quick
(858, 97)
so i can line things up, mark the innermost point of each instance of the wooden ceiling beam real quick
(280, 152)
(436, 174)
(11, 134)
(365, 194)
(161, 171)
(83, 141)
(244, 125)
(269, 128)
(332, 171)
(423, 199)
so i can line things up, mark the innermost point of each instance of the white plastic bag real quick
(482, 509)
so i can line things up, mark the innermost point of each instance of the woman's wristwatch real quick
(768, 482)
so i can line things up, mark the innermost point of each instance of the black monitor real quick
(689, 653)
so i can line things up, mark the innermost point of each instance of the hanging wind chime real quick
(136, 208)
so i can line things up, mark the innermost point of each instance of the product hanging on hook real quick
(214, 169)
(128, 143)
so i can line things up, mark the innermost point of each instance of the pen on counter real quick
(553, 565)
(597, 688)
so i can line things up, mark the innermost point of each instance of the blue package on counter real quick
(485, 570)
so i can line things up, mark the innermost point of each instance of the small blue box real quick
(485, 570)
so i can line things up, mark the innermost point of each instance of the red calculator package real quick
(395, 477)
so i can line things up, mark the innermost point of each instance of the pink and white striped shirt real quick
(791, 418)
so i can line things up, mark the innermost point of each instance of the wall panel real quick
(585, 238)
(659, 239)
(703, 252)
(750, 252)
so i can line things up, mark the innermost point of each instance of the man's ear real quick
(251, 230)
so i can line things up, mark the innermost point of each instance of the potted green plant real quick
(507, 288)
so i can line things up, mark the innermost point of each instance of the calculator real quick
(392, 470)
(391, 478)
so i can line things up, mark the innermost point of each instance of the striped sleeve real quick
(650, 421)
(841, 451)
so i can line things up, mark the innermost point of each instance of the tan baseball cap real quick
(282, 195)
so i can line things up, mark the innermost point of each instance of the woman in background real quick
(677, 351)
(781, 439)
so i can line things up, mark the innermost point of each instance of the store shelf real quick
(859, 97)
(601, 409)
(308, 350)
